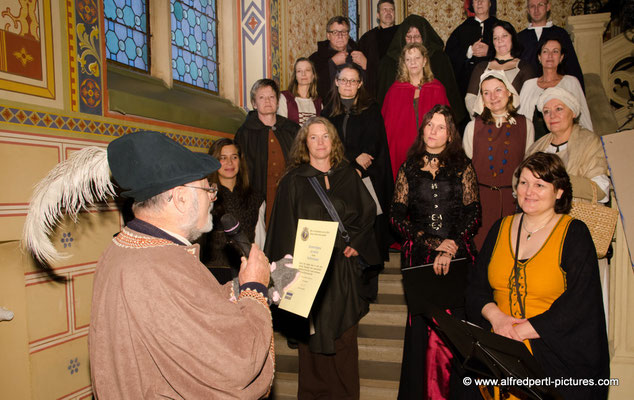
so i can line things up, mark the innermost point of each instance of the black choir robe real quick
(458, 43)
(364, 132)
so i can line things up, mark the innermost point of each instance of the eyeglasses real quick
(339, 33)
(413, 37)
(345, 81)
(212, 190)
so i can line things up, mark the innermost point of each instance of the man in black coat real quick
(338, 49)
(472, 41)
(262, 137)
(538, 14)
(375, 42)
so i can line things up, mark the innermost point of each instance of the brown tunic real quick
(163, 327)
(275, 170)
(496, 154)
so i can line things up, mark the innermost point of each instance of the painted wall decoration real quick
(276, 53)
(88, 56)
(446, 15)
(49, 122)
(255, 42)
(26, 48)
(305, 25)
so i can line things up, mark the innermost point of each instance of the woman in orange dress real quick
(536, 280)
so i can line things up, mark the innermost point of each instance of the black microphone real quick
(235, 236)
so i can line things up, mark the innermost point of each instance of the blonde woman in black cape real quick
(328, 358)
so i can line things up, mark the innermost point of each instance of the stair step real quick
(382, 332)
(285, 388)
(391, 284)
(378, 316)
(370, 349)
(383, 298)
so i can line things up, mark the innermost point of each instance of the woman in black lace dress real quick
(235, 197)
(436, 221)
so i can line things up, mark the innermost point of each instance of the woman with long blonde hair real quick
(328, 358)
(414, 93)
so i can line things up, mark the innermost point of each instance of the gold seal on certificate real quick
(313, 250)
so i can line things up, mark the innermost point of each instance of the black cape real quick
(439, 62)
(326, 69)
(374, 44)
(364, 132)
(573, 340)
(458, 43)
(252, 137)
(339, 304)
(570, 64)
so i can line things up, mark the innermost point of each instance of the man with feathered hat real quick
(161, 325)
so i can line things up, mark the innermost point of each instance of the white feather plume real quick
(74, 184)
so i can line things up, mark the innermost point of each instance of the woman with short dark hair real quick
(359, 123)
(506, 59)
(536, 280)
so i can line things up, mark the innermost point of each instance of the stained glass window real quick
(353, 16)
(194, 46)
(126, 29)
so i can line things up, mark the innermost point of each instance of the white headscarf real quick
(560, 94)
(500, 75)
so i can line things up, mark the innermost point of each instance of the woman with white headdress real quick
(579, 149)
(496, 141)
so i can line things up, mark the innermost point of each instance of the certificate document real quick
(313, 249)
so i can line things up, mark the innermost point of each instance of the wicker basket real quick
(601, 221)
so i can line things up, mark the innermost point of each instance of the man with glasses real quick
(375, 42)
(538, 13)
(338, 49)
(161, 325)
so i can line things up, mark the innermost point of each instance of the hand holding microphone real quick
(280, 273)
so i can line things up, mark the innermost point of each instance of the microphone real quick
(282, 272)
(234, 234)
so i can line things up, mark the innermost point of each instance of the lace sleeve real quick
(399, 216)
(471, 213)
(400, 203)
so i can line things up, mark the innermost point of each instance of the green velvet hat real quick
(148, 163)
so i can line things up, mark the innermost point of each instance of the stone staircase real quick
(381, 334)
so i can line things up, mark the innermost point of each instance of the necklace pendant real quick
(528, 237)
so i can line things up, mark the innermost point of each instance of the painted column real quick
(255, 45)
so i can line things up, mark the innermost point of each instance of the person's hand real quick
(364, 160)
(480, 49)
(441, 264)
(359, 59)
(503, 324)
(340, 58)
(256, 268)
(448, 246)
(349, 252)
